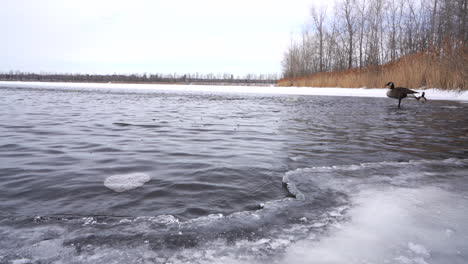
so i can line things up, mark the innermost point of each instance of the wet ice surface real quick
(230, 178)
(402, 212)
(405, 226)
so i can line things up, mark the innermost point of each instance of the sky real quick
(148, 36)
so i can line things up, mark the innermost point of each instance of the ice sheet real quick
(431, 94)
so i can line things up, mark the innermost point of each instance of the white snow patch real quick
(431, 94)
(126, 182)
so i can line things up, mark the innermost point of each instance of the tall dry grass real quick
(447, 69)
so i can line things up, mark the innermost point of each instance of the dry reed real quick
(445, 69)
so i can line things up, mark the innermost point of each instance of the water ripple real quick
(205, 153)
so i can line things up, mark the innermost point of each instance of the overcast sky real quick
(137, 36)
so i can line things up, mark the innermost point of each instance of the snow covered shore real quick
(431, 94)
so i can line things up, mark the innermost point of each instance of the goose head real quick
(390, 85)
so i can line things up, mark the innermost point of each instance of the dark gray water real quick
(239, 178)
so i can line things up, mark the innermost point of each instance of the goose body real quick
(399, 92)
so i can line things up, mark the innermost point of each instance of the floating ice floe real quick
(126, 182)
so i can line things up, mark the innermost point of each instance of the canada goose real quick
(421, 98)
(398, 92)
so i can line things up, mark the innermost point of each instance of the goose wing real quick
(406, 90)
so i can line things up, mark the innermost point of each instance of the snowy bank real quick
(431, 94)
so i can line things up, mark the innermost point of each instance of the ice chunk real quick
(126, 182)
(418, 249)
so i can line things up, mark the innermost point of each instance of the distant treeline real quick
(362, 34)
(248, 79)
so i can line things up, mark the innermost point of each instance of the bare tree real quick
(361, 7)
(318, 18)
(361, 33)
(347, 14)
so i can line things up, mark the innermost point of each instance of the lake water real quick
(230, 178)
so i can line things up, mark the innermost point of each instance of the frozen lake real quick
(100, 175)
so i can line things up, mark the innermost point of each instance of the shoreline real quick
(432, 93)
(162, 83)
